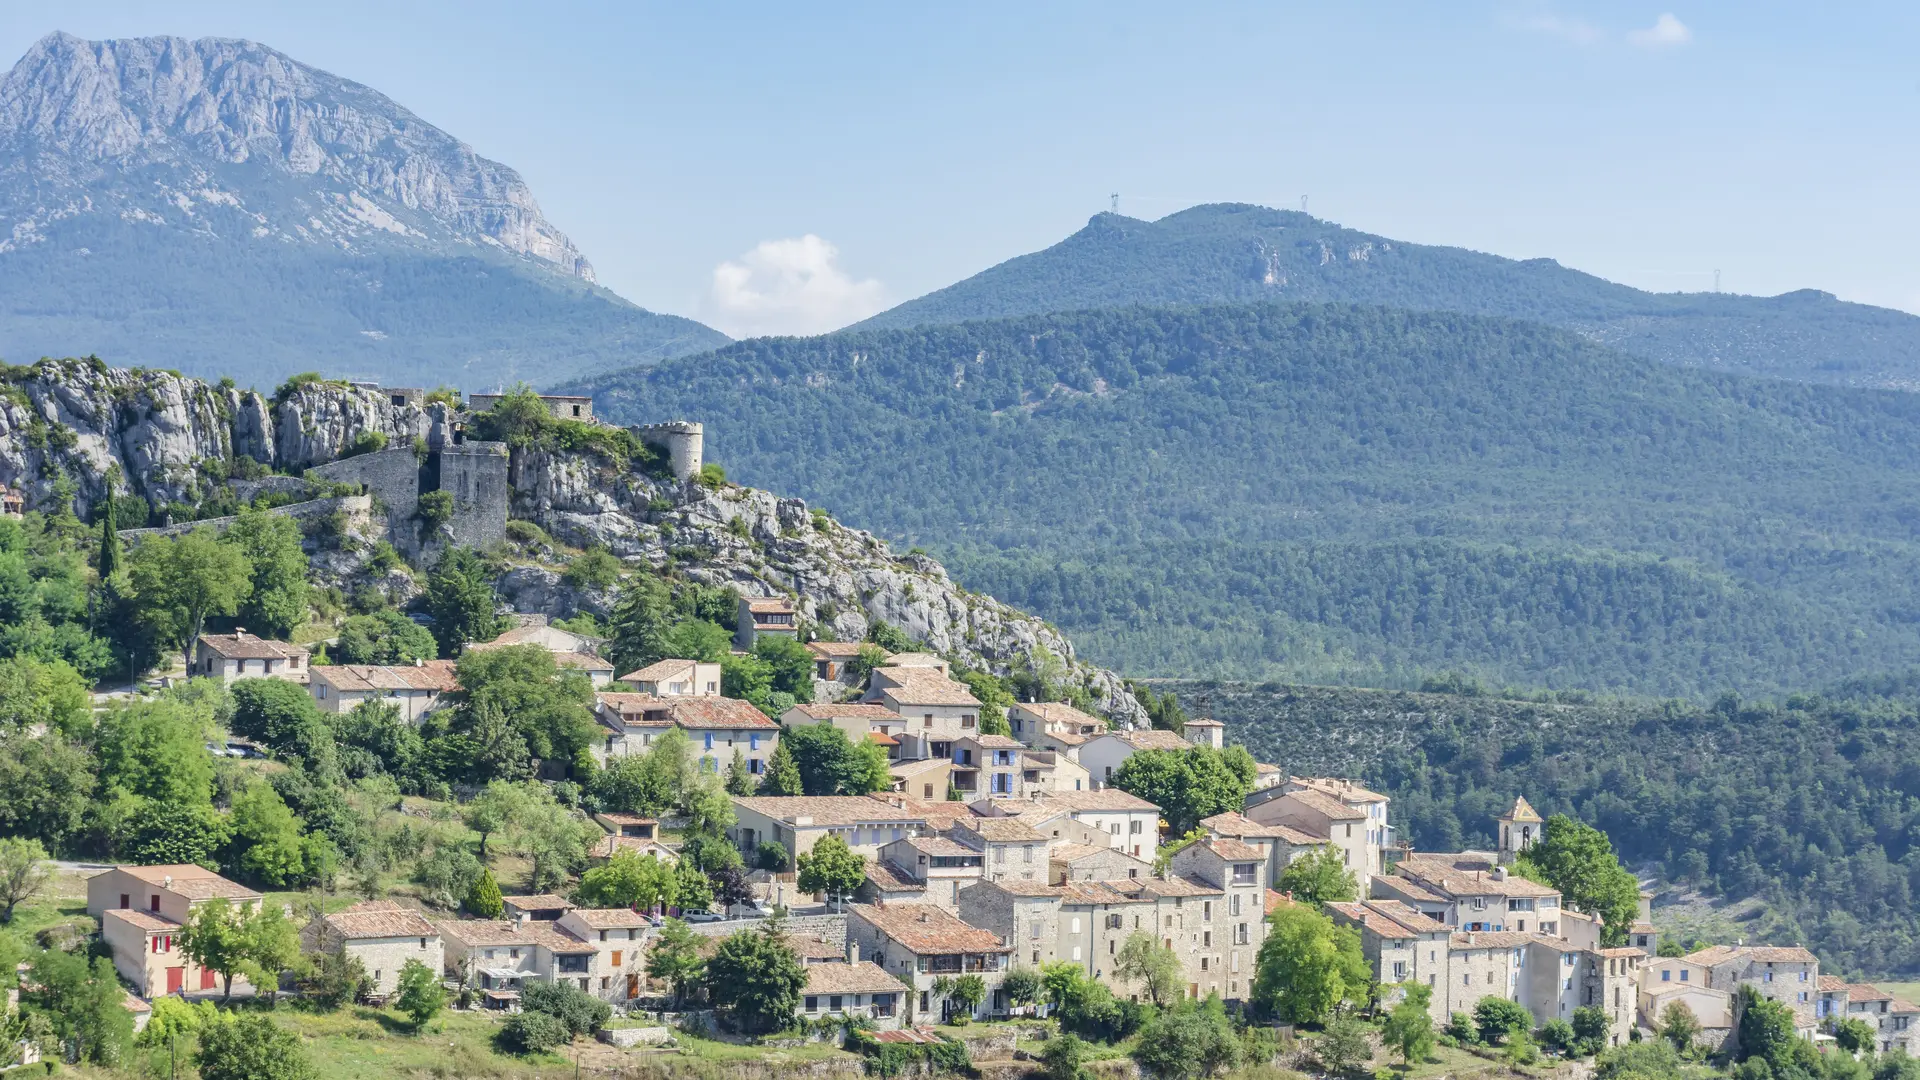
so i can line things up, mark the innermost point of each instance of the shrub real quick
(367, 442)
(435, 508)
(581, 1012)
(772, 857)
(712, 475)
(526, 533)
(596, 569)
(532, 1032)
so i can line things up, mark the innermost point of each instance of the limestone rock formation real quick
(73, 111)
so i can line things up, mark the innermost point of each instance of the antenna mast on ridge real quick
(1116, 201)
(1716, 281)
(1303, 204)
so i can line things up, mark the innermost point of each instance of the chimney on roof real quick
(167, 882)
(853, 951)
(417, 662)
(239, 633)
(924, 917)
(1469, 937)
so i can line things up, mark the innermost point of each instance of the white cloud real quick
(791, 286)
(1577, 31)
(1665, 33)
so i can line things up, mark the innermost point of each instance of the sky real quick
(780, 168)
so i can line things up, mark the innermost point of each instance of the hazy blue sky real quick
(680, 145)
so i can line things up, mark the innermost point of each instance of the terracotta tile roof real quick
(922, 686)
(1642, 928)
(1093, 893)
(770, 605)
(1624, 951)
(1261, 768)
(1001, 830)
(1233, 850)
(610, 918)
(1108, 799)
(660, 671)
(244, 646)
(882, 739)
(1829, 983)
(1337, 788)
(1904, 1007)
(995, 742)
(553, 939)
(915, 659)
(432, 675)
(1241, 826)
(830, 810)
(835, 650)
(849, 711)
(631, 706)
(1276, 900)
(889, 878)
(1468, 874)
(1071, 853)
(718, 712)
(580, 661)
(538, 902)
(1324, 804)
(1152, 739)
(1205, 723)
(149, 921)
(1172, 885)
(1412, 890)
(865, 977)
(915, 768)
(924, 928)
(159, 873)
(815, 949)
(623, 819)
(1374, 922)
(1406, 916)
(213, 887)
(1719, 954)
(1493, 939)
(380, 919)
(1068, 738)
(1054, 712)
(483, 932)
(940, 845)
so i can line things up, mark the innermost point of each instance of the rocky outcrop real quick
(72, 111)
(320, 422)
(762, 545)
(150, 432)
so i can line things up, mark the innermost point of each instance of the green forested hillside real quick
(1812, 805)
(1235, 253)
(1336, 493)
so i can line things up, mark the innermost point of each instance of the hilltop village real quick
(921, 842)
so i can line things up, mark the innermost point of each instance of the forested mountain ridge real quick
(218, 208)
(1811, 804)
(1229, 252)
(1335, 493)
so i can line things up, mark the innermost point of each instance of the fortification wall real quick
(352, 504)
(475, 474)
(393, 476)
(682, 441)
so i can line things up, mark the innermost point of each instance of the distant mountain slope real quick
(1330, 492)
(1227, 253)
(219, 208)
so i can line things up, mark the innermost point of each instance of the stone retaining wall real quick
(356, 505)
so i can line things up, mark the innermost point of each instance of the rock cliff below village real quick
(189, 448)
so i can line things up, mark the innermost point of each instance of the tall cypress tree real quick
(109, 561)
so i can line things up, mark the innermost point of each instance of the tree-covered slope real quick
(1234, 252)
(1812, 805)
(1342, 493)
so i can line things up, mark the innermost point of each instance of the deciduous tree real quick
(755, 975)
(461, 599)
(420, 993)
(1578, 859)
(277, 599)
(24, 873)
(1318, 877)
(1409, 1025)
(832, 868)
(1144, 960)
(1308, 966)
(250, 1046)
(675, 957)
(179, 581)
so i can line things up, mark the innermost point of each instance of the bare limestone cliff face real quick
(144, 431)
(74, 111)
(762, 545)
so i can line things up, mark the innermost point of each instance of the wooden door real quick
(176, 979)
(633, 987)
(206, 979)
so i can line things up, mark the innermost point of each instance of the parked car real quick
(701, 916)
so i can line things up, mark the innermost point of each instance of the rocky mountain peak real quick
(169, 130)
